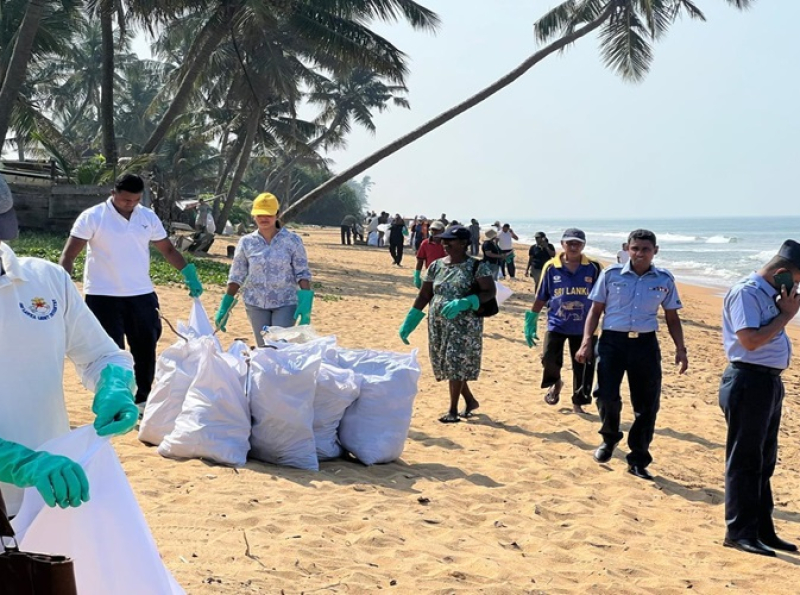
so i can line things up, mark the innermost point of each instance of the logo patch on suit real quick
(40, 308)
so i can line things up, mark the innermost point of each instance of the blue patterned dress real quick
(456, 345)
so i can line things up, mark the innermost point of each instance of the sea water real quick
(703, 251)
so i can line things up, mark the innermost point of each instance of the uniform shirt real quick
(272, 270)
(505, 240)
(751, 304)
(118, 254)
(539, 256)
(567, 293)
(430, 251)
(632, 301)
(43, 319)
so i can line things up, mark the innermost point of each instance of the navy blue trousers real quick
(640, 358)
(752, 403)
(136, 319)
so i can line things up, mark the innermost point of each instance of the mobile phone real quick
(784, 280)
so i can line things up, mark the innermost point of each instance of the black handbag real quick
(486, 309)
(26, 573)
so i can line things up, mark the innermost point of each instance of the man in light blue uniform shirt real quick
(755, 313)
(628, 297)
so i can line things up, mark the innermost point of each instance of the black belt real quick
(629, 335)
(757, 368)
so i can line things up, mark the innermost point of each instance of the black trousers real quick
(346, 231)
(553, 361)
(508, 264)
(640, 358)
(396, 250)
(136, 319)
(752, 403)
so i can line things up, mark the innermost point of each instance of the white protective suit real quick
(43, 319)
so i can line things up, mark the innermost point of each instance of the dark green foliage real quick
(49, 245)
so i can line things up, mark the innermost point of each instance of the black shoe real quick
(776, 543)
(603, 454)
(751, 546)
(640, 472)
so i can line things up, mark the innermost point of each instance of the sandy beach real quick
(508, 502)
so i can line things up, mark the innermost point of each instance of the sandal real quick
(449, 418)
(554, 393)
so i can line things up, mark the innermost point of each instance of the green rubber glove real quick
(510, 257)
(189, 273)
(305, 299)
(113, 402)
(59, 480)
(418, 279)
(531, 318)
(413, 318)
(221, 317)
(455, 307)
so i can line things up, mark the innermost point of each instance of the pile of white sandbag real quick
(291, 404)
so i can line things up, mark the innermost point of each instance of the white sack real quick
(281, 392)
(199, 324)
(214, 422)
(336, 390)
(176, 369)
(107, 537)
(375, 427)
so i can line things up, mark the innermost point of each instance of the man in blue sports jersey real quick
(628, 298)
(564, 286)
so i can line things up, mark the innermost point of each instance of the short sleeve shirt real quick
(430, 251)
(118, 252)
(539, 256)
(567, 294)
(751, 304)
(632, 302)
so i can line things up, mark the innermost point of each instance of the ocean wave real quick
(721, 240)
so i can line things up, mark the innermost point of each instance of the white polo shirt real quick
(43, 319)
(505, 240)
(118, 254)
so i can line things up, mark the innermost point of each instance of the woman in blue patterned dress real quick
(455, 333)
(269, 265)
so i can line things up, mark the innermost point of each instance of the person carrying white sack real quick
(272, 261)
(42, 320)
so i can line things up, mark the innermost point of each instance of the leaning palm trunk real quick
(339, 179)
(107, 83)
(18, 66)
(244, 161)
(209, 40)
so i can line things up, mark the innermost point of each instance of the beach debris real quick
(423, 500)
(247, 551)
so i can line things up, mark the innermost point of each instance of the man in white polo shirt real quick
(116, 277)
(43, 320)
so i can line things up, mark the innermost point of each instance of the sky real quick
(712, 131)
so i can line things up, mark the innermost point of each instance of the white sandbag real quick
(302, 333)
(337, 388)
(176, 369)
(375, 427)
(326, 344)
(281, 392)
(502, 293)
(214, 422)
(107, 537)
(199, 324)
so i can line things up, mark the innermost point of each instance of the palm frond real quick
(624, 47)
(690, 8)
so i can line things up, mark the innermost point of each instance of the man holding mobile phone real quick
(754, 316)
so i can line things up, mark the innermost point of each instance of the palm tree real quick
(331, 29)
(354, 97)
(627, 29)
(26, 43)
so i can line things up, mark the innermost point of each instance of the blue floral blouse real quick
(269, 272)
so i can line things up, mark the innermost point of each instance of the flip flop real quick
(467, 414)
(449, 418)
(552, 397)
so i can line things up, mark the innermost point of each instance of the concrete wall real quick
(53, 208)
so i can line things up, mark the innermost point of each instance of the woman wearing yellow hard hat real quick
(271, 267)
